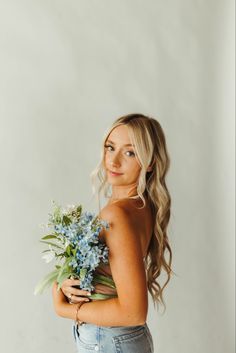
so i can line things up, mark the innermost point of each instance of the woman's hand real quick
(59, 300)
(74, 295)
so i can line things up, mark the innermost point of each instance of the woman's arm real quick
(128, 272)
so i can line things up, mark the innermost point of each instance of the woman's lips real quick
(114, 173)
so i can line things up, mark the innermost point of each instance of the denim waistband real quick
(127, 339)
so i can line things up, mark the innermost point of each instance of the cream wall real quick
(68, 69)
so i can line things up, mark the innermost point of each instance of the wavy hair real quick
(149, 141)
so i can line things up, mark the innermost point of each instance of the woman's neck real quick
(119, 193)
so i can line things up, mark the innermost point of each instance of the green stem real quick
(101, 296)
(104, 280)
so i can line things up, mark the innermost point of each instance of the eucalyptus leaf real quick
(46, 282)
(63, 275)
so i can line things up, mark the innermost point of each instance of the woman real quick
(133, 167)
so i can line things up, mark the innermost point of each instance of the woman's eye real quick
(107, 146)
(131, 153)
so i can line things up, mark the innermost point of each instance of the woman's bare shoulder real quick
(111, 211)
(116, 213)
(122, 229)
(120, 207)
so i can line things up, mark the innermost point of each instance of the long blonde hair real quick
(149, 140)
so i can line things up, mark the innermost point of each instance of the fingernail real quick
(89, 294)
(87, 300)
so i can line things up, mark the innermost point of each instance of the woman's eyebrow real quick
(127, 144)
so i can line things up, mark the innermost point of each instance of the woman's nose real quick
(114, 161)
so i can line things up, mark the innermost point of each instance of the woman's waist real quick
(87, 326)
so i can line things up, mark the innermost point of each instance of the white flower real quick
(49, 255)
(43, 225)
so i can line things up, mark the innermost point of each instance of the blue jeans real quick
(112, 339)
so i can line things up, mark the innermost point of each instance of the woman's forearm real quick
(106, 312)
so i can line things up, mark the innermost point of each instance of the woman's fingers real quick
(73, 282)
(76, 299)
(69, 289)
(67, 285)
(74, 291)
(78, 292)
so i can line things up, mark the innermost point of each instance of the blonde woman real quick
(132, 175)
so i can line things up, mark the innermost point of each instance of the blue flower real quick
(78, 242)
(59, 228)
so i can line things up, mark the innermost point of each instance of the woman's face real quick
(119, 157)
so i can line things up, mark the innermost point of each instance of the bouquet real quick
(74, 242)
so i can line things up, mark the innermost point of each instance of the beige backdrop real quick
(67, 70)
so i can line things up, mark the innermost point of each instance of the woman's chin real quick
(114, 182)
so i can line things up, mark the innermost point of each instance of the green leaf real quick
(102, 296)
(104, 280)
(68, 250)
(46, 282)
(82, 273)
(64, 266)
(73, 252)
(52, 244)
(66, 220)
(65, 274)
(49, 236)
(79, 209)
(62, 254)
